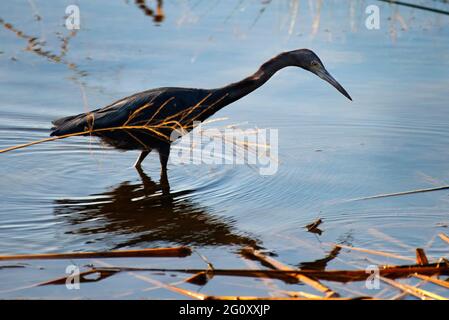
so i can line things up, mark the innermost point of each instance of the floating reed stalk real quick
(141, 253)
(444, 237)
(438, 282)
(419, 293)
(403, 193)
(375, 252)
(250, 252)
(392, 272)
(421, 257)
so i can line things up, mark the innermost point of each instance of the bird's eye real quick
(314, 63)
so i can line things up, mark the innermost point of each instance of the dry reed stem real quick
(438, 282)
(142, 253)
(403, 294)
(269, 283)
(329, 275)
(444, 237)
(375, 252)
(157, 283)
(333, 275)
(37, 46)
(280, 266)
(416, 6)
(157, 16)
(395, 194)
(421, 257)
(419, 293)
(24, 145)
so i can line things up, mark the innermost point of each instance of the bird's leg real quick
(145, 179)
(164, 153)
(141, 157)
(164, 184)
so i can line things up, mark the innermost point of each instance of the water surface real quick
(78, 195)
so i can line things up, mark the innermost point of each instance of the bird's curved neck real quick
(237, 90)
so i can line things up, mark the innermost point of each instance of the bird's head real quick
(308, 60)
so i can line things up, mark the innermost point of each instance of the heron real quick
(146, 120)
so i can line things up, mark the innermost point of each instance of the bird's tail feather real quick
(68, 125)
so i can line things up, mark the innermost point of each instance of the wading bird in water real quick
(146, 120)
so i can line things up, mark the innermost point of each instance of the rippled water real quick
(78, 195)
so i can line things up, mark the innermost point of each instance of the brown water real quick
(78, 195)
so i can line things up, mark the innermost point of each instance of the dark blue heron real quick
(146, 120)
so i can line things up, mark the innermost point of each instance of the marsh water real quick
(76, 194)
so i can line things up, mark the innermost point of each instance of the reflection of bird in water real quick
(321, 264)
(147, 120)
(148, 212)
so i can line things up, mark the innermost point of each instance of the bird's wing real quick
(113, 115)
(147, 107)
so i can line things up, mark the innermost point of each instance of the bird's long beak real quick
(327, 77)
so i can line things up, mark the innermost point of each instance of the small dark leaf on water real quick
(318, 231)
(313, 227)
(200, 279)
